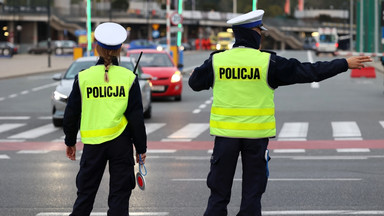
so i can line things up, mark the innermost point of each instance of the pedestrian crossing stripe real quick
(290, 131)
(348, 130)
(294, 131)
(36, 132)
(8, 127)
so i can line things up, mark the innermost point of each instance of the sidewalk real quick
(25, 64)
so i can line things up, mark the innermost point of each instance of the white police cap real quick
(249, 20)
(110, 35)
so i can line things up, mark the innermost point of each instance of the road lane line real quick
(14, 117)
(104, 214)
(8, 127)
(36, 132)
(12, 96)
(33, 152)
(349, 150)
(324, 212)
(289, 151)
(162, 151)
(151, 127)
(45, 86)
(196, 111)
(4, 156)
(346, 130)
(189, 131)
(276, 179)
(293, 131)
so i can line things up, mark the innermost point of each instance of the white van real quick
(326, 40)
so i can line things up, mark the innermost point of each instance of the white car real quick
(60, 95)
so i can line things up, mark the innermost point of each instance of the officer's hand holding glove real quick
(71, 152)
(143, 156)
(356, 62)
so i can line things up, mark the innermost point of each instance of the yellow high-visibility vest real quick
(104, 103)
(243, 105)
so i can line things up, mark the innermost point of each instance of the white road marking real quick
(151, 127)
(349, 150)
(14, 117)
(155, 151)
(293, 131)
(202, 106)
(324, 212)
(189, 131)
(382, 123)
(8, 127)
(36, 132)
(346, 130)
(196, 111)
(45, 86)
(32, 151)
(289, 151)
(277, 179)
(12, 96)
(104, 214)
(4, 156)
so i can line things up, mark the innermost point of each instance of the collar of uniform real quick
(100, 61)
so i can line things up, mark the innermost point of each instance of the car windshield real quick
(154, 60)
(326, 38)
(76, 67)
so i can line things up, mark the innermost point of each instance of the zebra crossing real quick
(289, 131)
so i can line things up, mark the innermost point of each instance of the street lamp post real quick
(49, 32)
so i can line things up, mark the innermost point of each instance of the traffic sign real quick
(176, 18)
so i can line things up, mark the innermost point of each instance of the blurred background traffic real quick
(323, 26)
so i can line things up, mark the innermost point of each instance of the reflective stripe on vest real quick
(243, 105)
(104, 103)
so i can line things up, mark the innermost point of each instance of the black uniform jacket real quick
(133, 113)
(281, 71)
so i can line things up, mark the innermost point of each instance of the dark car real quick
(309, 43)
(7, 49)
(58, 47)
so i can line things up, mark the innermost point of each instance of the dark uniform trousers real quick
(119, 154)
(223, 166)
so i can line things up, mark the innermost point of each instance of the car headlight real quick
(218, 46)
(59, 96)
(159, 48)
(176, 77)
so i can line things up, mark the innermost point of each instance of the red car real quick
(166, 80)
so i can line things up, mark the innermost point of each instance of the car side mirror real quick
(56, 77)
(144, 76)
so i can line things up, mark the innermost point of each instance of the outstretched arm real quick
(357, 62)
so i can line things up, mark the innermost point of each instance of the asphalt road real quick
(321, 169)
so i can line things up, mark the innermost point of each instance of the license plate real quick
(158, 88)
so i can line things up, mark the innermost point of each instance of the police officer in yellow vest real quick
(242, 115)
(106, 101)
